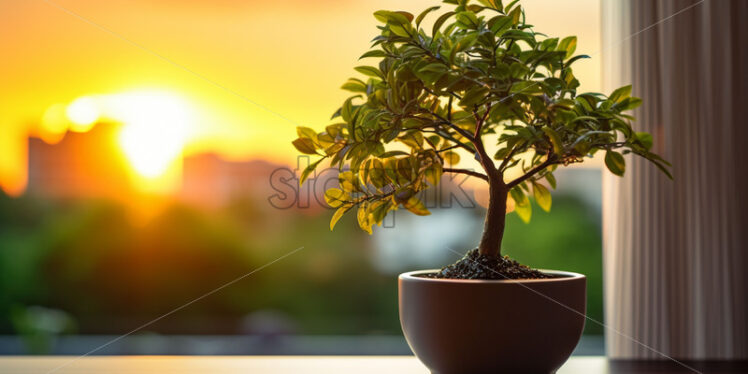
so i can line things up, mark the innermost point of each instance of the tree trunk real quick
(493, 228)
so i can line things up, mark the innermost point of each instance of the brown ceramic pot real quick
(458, 326)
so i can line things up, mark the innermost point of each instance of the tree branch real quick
(451, 94)
(480, 122)
(485, 160)
(449, 137)
(468, 172)
(459, 129)
(550, 161)
(448, 148)
(508, 158)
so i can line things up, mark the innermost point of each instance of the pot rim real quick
(564, 276)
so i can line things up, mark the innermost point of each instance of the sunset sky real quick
(245, 72)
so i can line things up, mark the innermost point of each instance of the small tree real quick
(480, 75)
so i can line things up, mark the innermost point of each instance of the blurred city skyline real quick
(214, 65)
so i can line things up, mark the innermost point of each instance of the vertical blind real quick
(676, 252)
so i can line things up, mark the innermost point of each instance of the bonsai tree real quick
(479, 82)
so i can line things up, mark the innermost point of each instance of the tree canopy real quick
(480, 78)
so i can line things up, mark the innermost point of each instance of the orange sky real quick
(251, 70)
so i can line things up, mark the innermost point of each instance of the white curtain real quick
(676, 252)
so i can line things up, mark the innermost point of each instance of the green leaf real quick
(515, 15)
(527, 87)
(663, 168)
(338, 214)
(496, 4)
(440, 21)
(408, 16)
(551, 180)
(423, 14)
(510, 5)
(378, 211)
(335, 197)
(389, 154)
(354, 85)
(308, 170)
(397, 18)
(500, 24)
(620, 94)
(399, 30)
(473, 96)
(370, 71)
(373, 53)
(558, 146)
(467, 20)
(404, 168)
(568, 44)
(575, 58)
(502, 153)
(542, 196)
(305, 145)
(629, 104)
(646, 139)
(615, 163)
(346, 111)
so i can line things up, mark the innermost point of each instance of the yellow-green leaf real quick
(354, 85)
(615, 163)
(370, 71)
(440, 21)
(305, 145)
(620, 94)
(404, 168)
(646, 139)
(378, 211)
(416, 206)
(306, 132)
(434, 174)
(451, 158)
(308, 170)
(424, 13)
(568, 44)
(335, 197)
(524, 212)
(521, 204)
(348, 181)
(333, 130)
(346, 111)
(542, 196)
(338, 213)
(558, 147)
(363, 218)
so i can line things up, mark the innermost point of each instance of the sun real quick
(156, 127)
(83, 113)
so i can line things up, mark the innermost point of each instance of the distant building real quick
(80, 165)
(209, 180)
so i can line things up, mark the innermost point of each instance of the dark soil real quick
(477, 266)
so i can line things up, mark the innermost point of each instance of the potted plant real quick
(479, 82)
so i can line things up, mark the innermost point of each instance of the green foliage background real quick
(85, 258)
